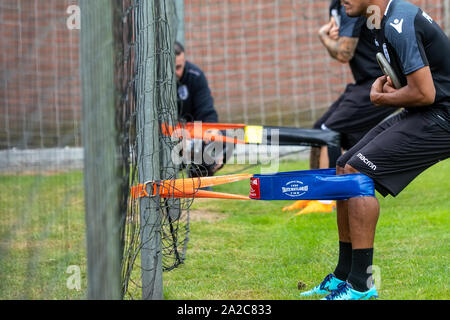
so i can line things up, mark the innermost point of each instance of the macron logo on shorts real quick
(369, 163)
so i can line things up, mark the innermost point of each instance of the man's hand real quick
(339, 48)
(418, 92)
(377, 90)
(325, 29)
(388, 86)
(334, 31)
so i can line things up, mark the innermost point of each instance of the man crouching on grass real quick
(396, 151)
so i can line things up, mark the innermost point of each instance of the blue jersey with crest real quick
(410, 40)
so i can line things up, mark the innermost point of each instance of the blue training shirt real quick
(410, 40)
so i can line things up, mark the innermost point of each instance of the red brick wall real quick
(39, 82)
(263, 60)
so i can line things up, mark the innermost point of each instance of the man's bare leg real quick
(324, 161)
(314, 158)
(344, 264)
(362, 214)
(342, 215)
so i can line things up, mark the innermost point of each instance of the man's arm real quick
(342, 48)
(419, 91)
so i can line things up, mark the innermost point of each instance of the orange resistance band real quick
(190, 188)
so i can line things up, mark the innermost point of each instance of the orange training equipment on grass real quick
(190, 187)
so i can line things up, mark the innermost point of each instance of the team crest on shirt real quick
(183, 92)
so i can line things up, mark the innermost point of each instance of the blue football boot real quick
(328, 284)
(345, 291)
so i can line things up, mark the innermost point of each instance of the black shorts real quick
(398, 150)
(353, 114)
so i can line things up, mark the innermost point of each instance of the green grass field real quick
(253, 250)
(237, 249)
(42, 233)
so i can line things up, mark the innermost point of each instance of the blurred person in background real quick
(196, 103)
